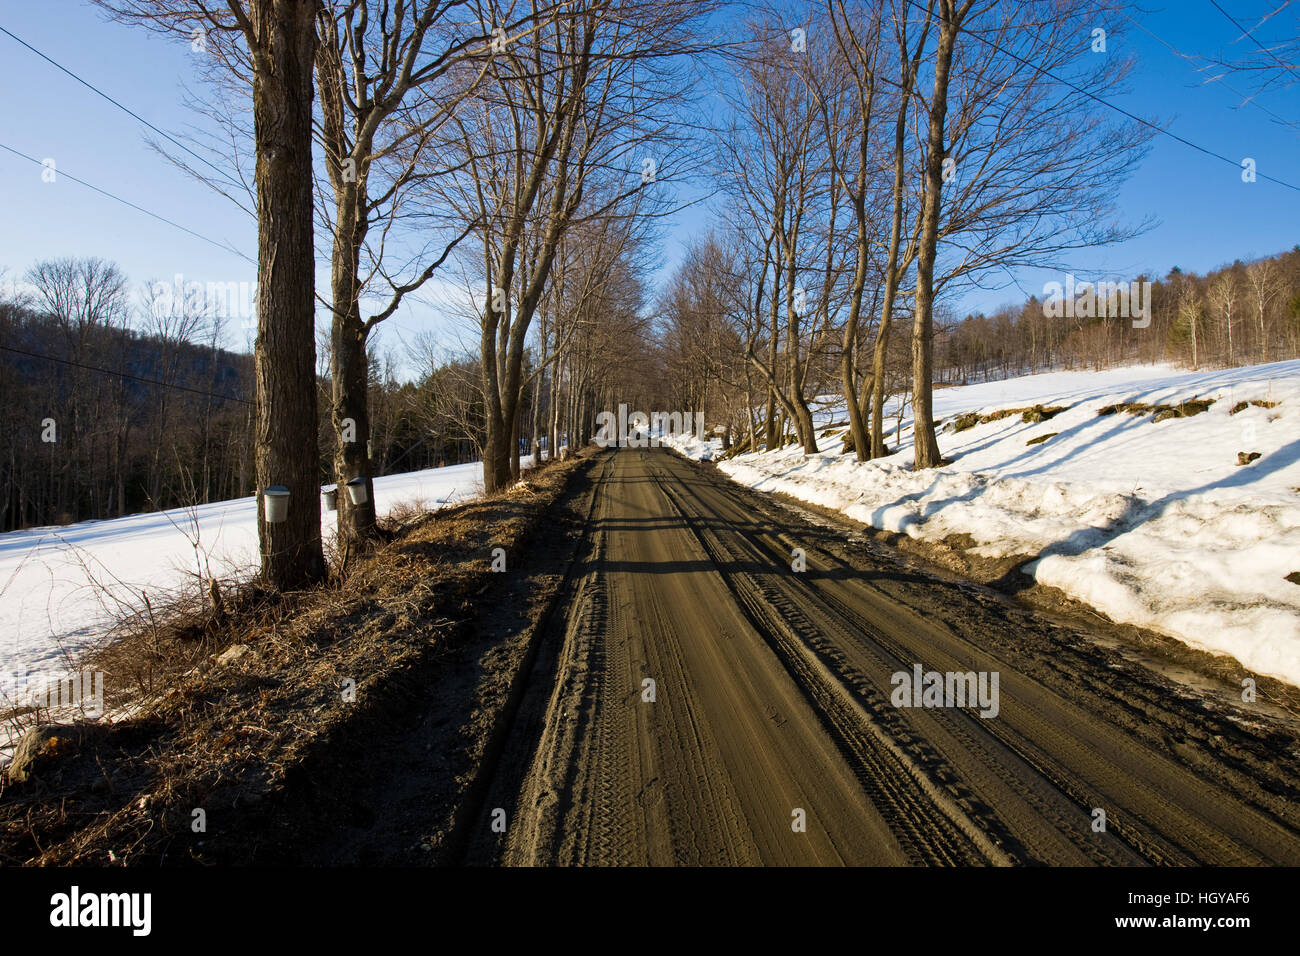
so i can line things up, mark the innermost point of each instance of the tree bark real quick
(923, 435)
(349, 382)
(893, 270)
(286, 451)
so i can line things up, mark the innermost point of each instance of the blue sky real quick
(1207, 215)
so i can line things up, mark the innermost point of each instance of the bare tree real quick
(276, 39)
(1262, 277)
(559, 133)
(1266, 51)
(899, 254)
(1190, 312)
(777, 161)
(389, 78)
(859, 35)
(173, 321)
(88, 300)
(1016, 172)
(951, 17)
(281, 38)
(1223, 294)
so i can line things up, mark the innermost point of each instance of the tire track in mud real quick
(773, 693)
(714, 769)
(548, 794)
(930, 815)
(815, 647)
(1046, 760)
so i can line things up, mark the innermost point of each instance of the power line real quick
(126, 375)
(126, 202)
(129, 112)
(1247, 33)
(1118, 109)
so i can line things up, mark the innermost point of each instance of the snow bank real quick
(692, 447)
(1153, 523)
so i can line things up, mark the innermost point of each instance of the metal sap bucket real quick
(331, 496)
(275, 504)
(357, 491)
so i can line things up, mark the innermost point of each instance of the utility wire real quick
(1118, 109)
(129, 112)
(127, 202)
(126, 375)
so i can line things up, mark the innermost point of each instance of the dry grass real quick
(1029, 414)
(226, 737)
(407, 512)
(1258, 403)
(1185, 409)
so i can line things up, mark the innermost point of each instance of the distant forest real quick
(1246, 313)
(111, 407)
(1242, 314)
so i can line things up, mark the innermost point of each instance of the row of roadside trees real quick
(880, 156)
(514, 148)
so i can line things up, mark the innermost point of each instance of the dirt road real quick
(701, 701)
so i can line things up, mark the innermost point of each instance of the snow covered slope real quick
(60, 586)
(1152, 522)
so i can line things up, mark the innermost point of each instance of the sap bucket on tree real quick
(331, 496)
(357, 491)
(275, 504)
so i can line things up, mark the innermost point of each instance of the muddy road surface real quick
(721, 685)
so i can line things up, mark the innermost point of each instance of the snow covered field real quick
(1154, 523)
(60, 586)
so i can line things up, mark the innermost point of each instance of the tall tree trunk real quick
(892, 277)
(849, 348)
(121, 456)
(496, 450)
(557, 396)
(802, 417)
(774, 437)
(923, 435)
(349, 170)
(536, 420)
(848, 377)
(749, 411)
(285, 448)
(350, 414)
(515, 430)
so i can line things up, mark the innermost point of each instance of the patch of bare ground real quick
(1030, 415)
(255, 717)
(1159, 413)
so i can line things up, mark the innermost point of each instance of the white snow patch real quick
(61, 586)
(700, 449)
